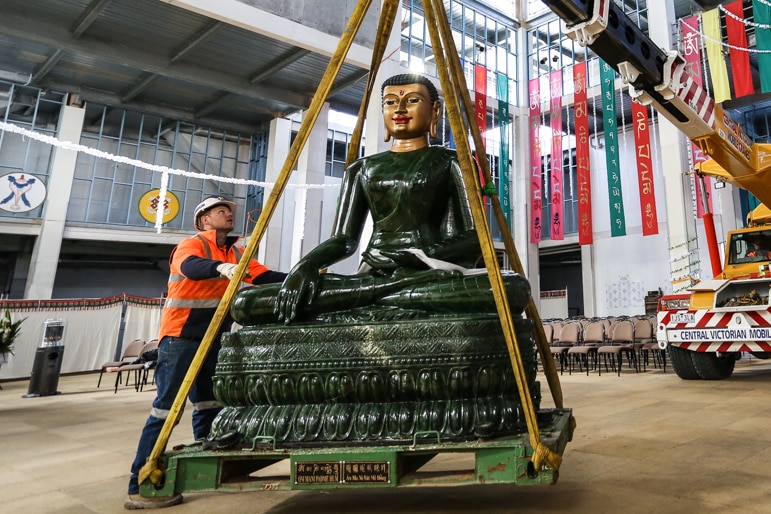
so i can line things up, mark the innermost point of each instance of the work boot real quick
(137, 502)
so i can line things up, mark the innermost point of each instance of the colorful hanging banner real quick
(762, 12)
(717, 68)
(504, 192)
(480, 93)
(692, 55)
(480, 111)
(615, 194)
(555, 164)
(536, 180)
(582, 155)
(642, 143)
(737, 50)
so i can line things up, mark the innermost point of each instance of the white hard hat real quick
(208, 203)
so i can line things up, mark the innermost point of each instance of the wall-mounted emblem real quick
(21, 192)
(150, 202)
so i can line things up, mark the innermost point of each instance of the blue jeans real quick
(174, 358)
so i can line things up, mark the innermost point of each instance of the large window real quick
(338, 142)
(108, 191)
(32, 109)
(479, 37)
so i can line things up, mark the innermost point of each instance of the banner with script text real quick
(642, 144)
(504, 192)
(582, 155)
(556, 231)
(615, 194)
(536, 180)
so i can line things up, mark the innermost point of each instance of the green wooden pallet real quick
(495, 461)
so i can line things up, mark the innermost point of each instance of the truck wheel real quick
(682, 362)
(710, 366)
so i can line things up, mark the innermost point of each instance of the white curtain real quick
(143, 320)
(91, 330)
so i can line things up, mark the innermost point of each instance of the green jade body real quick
(420, 209)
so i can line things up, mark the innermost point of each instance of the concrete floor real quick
(645, 443)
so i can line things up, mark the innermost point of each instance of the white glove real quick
(227, 270)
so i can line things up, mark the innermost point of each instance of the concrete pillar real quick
(520, 169)
(279, 138)
(588, 280)
(308, 202)
(681, 224)
(45, 254)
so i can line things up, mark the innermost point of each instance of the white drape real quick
(142, 321)
(91, 331)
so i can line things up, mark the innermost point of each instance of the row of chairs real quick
(136, 358)
(587, 341)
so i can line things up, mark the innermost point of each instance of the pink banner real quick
(480, 110)
(692, 55)
(582, 156)
(642, 143)
(536, 180)
(555, 167)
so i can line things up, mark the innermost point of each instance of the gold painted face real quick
(407, 111)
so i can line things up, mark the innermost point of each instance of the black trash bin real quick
(48, 361)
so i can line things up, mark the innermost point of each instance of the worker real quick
(201, 268)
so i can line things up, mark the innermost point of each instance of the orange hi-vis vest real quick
(190, 304)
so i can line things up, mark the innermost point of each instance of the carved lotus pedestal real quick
(372, 383)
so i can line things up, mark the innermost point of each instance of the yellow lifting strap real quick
(453, 87)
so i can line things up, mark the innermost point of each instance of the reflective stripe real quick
(237, 250)
(176, 277)
(163, 414)
(192, 304)
(205, 245)
(159, 413)
(213, 404)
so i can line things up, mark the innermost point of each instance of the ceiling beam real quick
(90, 15)
(164, 111)
(47, 66)
(279, 64)
(25, 29)
(196, 40)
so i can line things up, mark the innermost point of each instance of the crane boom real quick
(658, 78)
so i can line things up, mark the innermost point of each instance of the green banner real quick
(615, 196)
(504, 192)
(762, 12)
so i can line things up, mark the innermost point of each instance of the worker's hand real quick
(227, 270)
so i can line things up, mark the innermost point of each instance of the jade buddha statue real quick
(421, 256)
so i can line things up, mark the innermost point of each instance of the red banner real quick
(536, 180)
(582, 155)
(642, 143)
(692, 54)
(555, 167)
(737, 50)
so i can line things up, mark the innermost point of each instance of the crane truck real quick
(708, 328)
